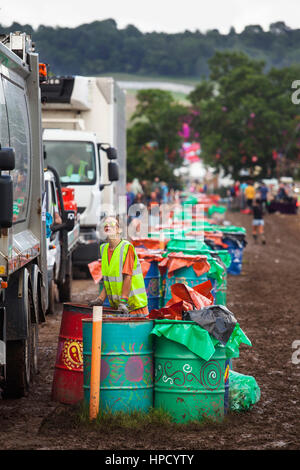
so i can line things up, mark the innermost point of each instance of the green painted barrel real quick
(186, 386)
(126, 382)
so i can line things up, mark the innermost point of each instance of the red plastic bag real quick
(172, 312)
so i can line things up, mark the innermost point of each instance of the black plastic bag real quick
(238, 238)
(216, 319)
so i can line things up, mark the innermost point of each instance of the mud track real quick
(265, 299)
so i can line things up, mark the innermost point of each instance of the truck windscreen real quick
(74, 161)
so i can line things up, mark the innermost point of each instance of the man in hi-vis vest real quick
(122, 274)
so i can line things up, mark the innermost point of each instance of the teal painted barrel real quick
(185, 275)
(188, 387)
(126, 382)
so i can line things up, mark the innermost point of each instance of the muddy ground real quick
(265, 299)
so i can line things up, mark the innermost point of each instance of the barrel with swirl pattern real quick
(186, 386)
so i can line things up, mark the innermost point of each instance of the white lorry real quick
(23, 266)
(84, 136)
(62, 232)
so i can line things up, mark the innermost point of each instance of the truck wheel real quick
(22, 359)
(18, 371)
(65, 289)
(34, 348)
(34, 338)
(52, 295)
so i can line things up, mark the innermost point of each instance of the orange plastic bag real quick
(151, 243)
(95, 270)
(177, 261)
(198, 297)
(145, 265)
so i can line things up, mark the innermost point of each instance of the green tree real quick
(153, 142)
(245, 116)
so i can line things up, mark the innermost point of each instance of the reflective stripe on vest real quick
(113, 277)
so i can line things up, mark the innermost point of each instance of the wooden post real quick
(95, 362)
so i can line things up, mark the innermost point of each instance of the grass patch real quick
(139, 420)
(136, 420)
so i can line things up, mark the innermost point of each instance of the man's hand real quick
(123, 309)
(97, 302)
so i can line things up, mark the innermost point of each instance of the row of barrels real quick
(140, 366)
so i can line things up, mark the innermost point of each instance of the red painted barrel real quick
(67, 386)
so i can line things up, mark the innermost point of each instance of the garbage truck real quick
(84, 138)
(23, 268)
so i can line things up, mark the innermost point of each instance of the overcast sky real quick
(154, 15)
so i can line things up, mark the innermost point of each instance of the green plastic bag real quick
(233, 344)
(228, 228)
(197, 339)
(218, 209)
(189, 334)
(244, 391)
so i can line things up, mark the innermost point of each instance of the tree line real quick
(247, 121)
(101, 47)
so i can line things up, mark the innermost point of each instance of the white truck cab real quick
(62, 237)
(84, 137)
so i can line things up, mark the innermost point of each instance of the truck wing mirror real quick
(6, 198)
(67, 225)
(111, 153)
(113, 171)
(70, 220)
(7, 159)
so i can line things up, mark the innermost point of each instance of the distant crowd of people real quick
(151, 193)
(242, 195)
(257, 199)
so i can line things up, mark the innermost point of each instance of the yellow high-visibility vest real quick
(113, 277)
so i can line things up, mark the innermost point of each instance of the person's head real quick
(111, 227)
(75, 159)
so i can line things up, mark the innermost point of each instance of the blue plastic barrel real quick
(152, 285)
(126, 382)
(214, 287)
(236, 251)
(106, 301)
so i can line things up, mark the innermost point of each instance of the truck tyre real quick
(34, 338)
(52, 298)
(21, 360)
(65, 289)
(17, 369)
